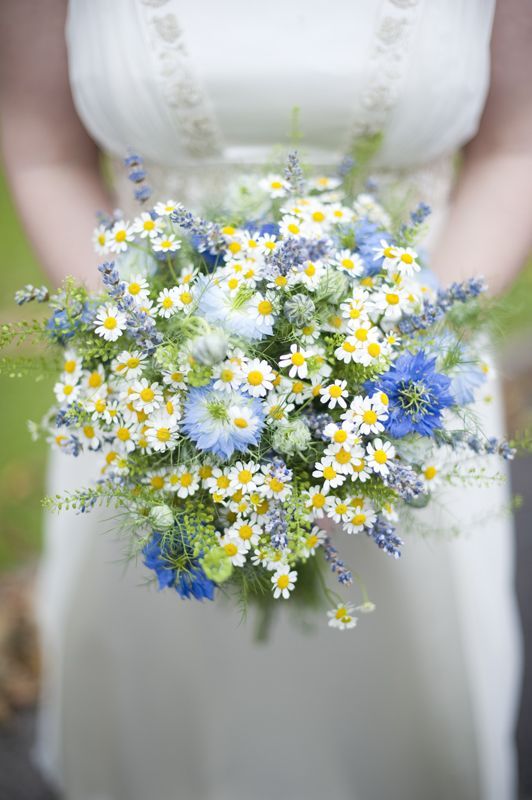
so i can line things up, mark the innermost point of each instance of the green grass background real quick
(22, 462)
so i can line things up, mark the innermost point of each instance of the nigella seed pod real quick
(299, 309)
(161, 517)
(332, 287)
(210, 348)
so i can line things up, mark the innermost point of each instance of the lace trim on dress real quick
(186, 100)
(387, 66)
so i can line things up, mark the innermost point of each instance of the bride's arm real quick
(51, 163)
(489, 230)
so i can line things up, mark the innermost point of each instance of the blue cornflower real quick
(417, 395)
(222, 422)
(190, 583)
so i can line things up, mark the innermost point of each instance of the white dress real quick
(148, 697)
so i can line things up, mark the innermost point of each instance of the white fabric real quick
(148, 696)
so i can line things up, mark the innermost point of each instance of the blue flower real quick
(368, 236)
(417, 395)
(222, 422)
(235, 316)
(190, 583)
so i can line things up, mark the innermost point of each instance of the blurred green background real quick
(22, 462)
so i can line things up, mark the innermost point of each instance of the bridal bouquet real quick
(260, 385)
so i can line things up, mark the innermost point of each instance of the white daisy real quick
(66, 390)
(235, 548)
(146, 396)
(342, 617)
(166, 208)
(317, 500)
(137, 287)
(168, 302)
(146, 226)
(362, 516)
(100, 240)
(349, 262)
(337, 509)
(129, 365)
(162, 431)
(283, 581)
(245, 476)
(186, 481)
(296, 360)
(379, 454)
(274, 185)
(368, 414)
(246, 530)
(119, 237)
(110, 323)
(166, 243)
(257, 377)
(331, 476)
(124, 436)
(334, 394)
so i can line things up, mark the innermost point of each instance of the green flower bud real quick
(332, 287)
(299, 309)
(217, 565)
(291, 438)
(199, 376)
(161, 517)
(209, 349)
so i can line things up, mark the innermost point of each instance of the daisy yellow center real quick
(359, 519)
(123, 434)
(281, 280)
(228, 230)
(384, 398)
(167, 302)
(276, 485)
(297, 387)
(370, 417)
(222, 482)
(147, 394)
(389, 252)
(430, 473)
(308, 330)
(109, 323)
(101, 239)
(276, 185)
(335, 391)
(367, 281)
(227, 375)
(318, 500)
(133, 362)
(69, 366)
(406, 258)
(163, 434)
(360, 466)
(235, 247)
(374, 349)
(310, 270)
(185, 479)
(380, 457)
(231, 549)
(329, 473)
(245, 532)
(134, 288)
(348, 347)
(186, 298)
(392, 298)
(157, 482)
(347, 263)
(95, 380)
(335, 322)
(318, 216)
(341, 612)
(298, 359)
(68, 389)
(354, 313)
(120, 236)
(283, 581)
(293, 228)
(233, 283)
(255, 377)
(245, 476)
(240, 422)
(99, 406)
(340, 436)
(264, 307)
(361, 334)
(205, 471)
(88, 430)
(341, 508)
(343, 456)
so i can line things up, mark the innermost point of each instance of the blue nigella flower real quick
(368, 237)
(191, 583)
(222, 422)
(233, 315)
(417, 395)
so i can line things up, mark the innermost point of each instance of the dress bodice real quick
(183, 82)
